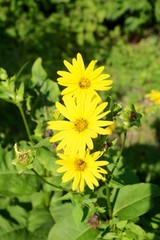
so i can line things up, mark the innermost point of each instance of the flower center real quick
(84, 83)
(80, 164)
(24, 158)
(80, 124)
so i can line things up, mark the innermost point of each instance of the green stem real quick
(108, 201)
(119, 153)
(44, 180)
(25, 122)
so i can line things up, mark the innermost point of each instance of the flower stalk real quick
(25, 122)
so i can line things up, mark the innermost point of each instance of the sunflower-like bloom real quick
(82, 168)
(80, 80)
(81, 125)
(154, 96)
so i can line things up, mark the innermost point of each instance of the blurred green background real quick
(123, 35)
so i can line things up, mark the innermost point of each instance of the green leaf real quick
(67, 229)
(7, 93)
(51, 90)
(11, 231)
(134, 200)
(47, 159)
(3, 74)
(20, 93)
(19, 214)
(40, 199)
(77, 213)
(64, 197)
(40, 219)
(59, 212)
(17, 185)
(110, 236)
(38, 73)
(132, 228)
(43, 143)
(11, 183)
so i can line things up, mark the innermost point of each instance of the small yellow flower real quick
(80, 81)
(111, 128)
(81, 125)
(82, 168)
(154, 96)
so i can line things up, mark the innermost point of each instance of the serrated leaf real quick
(71, 231)
(135, 200)
(11, 231)
(19, 214)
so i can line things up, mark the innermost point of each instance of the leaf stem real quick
(119, 153)
(44, 180)
(25, 122)
(108, 201)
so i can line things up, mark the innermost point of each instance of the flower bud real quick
(130, 117)
(23, 159)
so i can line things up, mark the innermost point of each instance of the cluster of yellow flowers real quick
(83, 110)
(154, 96)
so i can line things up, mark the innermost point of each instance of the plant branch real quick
(44, 180)
(108, 201)
(119, 153)
(25, 122)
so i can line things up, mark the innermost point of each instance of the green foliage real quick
(65, 27)
(71, 230)
(42, 210)
(129, 206)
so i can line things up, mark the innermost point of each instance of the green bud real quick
(130, 117)
(23, 159)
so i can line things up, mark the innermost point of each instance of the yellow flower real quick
(82, 81)
(82, 168)
(81, 125)
(111, 128)
(154, 96)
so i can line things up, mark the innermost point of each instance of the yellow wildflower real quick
(154, 96)
(80, 81)
(82, 168)
(82, 123)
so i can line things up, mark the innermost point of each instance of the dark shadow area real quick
(145, 160)
(156, 126)
(150, 221)
(11, 125)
